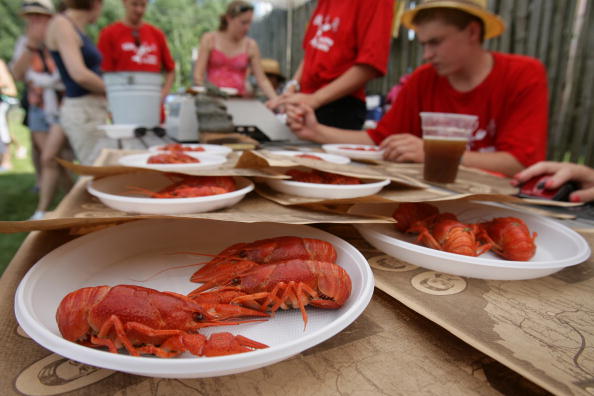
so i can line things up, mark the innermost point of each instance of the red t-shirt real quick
(342, 33)
(511, 104)
(121, 52)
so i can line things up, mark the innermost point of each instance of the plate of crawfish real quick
(337, 159)
(169, 193)
(129, 297)
(355, 151)
(314, 183)
(173, 161)
(485, 241)
(215, 149)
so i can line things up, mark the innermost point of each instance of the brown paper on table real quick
(389, 194)
(267, 159)
(541, 328)
(388, 339)
(109, 166)
(79, 209)
(471, 183)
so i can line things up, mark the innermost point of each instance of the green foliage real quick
(111, 12)
(11, 26)
(183, 21)
(17, 196)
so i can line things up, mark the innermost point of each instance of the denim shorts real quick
(37, 120)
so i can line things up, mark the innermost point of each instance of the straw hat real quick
(494, 25)
(38, 7)
(271, 66)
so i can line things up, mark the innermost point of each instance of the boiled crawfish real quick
(408, 213)
(359, 148)
(310, 156)
(147, 321)
(174, 157)
(193, 186)
(292, 283)
(180, 147)
(320, 177)
(226, 265)
(510, 238)
(445, 232)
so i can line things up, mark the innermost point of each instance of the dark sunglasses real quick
(136, 36)
(240, 9)
(141, 131)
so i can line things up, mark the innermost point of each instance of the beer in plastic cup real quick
(445, 136)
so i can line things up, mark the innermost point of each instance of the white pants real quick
(79, 118)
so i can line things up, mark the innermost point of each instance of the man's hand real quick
(403, 147)
(302, 121)
(275, 104)
(309, 100)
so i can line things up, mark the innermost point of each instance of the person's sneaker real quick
(38, 215)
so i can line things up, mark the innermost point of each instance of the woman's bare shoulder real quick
(251, 45)
(59, 28)
(208, 38)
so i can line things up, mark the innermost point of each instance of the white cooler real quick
(134, 97)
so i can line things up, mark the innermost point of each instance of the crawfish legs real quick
(175, 341)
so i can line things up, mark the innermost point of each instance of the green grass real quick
(18, 199)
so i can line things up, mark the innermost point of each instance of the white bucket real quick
(134, 97)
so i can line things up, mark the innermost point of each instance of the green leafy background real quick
(183, 21)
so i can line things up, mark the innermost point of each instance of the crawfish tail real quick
(511, 238)
(408, 213)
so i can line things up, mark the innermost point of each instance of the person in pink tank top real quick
(226, 56)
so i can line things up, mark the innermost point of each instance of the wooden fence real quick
(559, 33)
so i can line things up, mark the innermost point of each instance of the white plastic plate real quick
(229, 91)
(117, 193)
(118, 131)
(207, 161)
(368, 152)
(141, 250)
(337, 159)
(215, 149)
(328, 191)
(557, 246)
(198, 89)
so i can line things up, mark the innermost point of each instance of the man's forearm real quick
(169, 79)
(500, 161)
(21, 65)
(329, 134)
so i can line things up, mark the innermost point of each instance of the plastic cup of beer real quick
(445, 136)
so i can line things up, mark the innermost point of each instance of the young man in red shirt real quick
(507, 92)
(346, 44)
(134, 45)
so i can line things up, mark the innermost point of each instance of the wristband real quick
(292, 83)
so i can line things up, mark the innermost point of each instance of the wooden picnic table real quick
(394, 347)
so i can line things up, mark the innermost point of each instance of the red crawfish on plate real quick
(321, 177)
(509, 237)
(276, 273)
(147, 321)
(192, 186)
(173, 157)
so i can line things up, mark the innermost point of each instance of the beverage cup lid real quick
(450, 125)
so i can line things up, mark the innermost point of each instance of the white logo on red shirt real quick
(142, 54)
(482, 139)
(325, 24)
